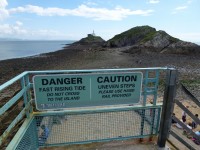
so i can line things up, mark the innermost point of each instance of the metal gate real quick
(85, 124)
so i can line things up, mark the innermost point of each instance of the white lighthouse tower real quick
(93, 33)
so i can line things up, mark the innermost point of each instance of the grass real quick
(141, 34)
(148, 37)
(92, 39)
(134, 32)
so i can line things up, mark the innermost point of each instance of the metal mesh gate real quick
(98, 126)
(30, 140)
(67, 127)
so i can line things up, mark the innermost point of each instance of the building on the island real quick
(91, 34)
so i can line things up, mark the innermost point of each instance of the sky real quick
(74, 19)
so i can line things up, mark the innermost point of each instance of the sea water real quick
(17, 49)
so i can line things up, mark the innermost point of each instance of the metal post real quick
(153, 111)
(142, 123)
(28, 92)
(168, 107)
(23, 85)
(144, 104)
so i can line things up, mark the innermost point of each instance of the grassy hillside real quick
(139, 35)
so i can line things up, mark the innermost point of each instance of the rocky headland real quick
(146, 39)
(139, 47)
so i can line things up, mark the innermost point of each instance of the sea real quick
(18, 49)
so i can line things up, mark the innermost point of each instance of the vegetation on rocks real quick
(91, 39)
(147, 39)
(131, 37)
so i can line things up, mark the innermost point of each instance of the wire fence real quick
(30, 140)
(84, 127)
(90, 127)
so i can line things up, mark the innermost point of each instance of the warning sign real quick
(80, 90)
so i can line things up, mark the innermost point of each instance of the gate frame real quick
(168, 107)
(26, 85)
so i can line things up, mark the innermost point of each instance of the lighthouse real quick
(93, 33)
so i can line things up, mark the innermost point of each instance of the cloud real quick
(48, 34)
(45, 32)
(17, 30)
(154, 1)
(19, 23)
(189, 1)
(181, 7)
(7, 29)
(3, 14)
(90, 3)
(3, 3)
(3, 11)
(118, 13)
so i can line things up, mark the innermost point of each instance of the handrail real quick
(97, 109)
(99, 70)
(22, 75)
(13, 123)
(13, 80)
(196, 119)
(16, 139)
(3, 86)
(190, 95)
(8, 83)
(185, 127)
(175, 135)
(12, 101)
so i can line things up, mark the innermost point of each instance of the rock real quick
(182, 47)
(145, 39)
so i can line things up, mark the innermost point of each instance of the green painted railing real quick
(150, 112)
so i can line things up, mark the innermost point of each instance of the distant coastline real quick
(10, 49)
